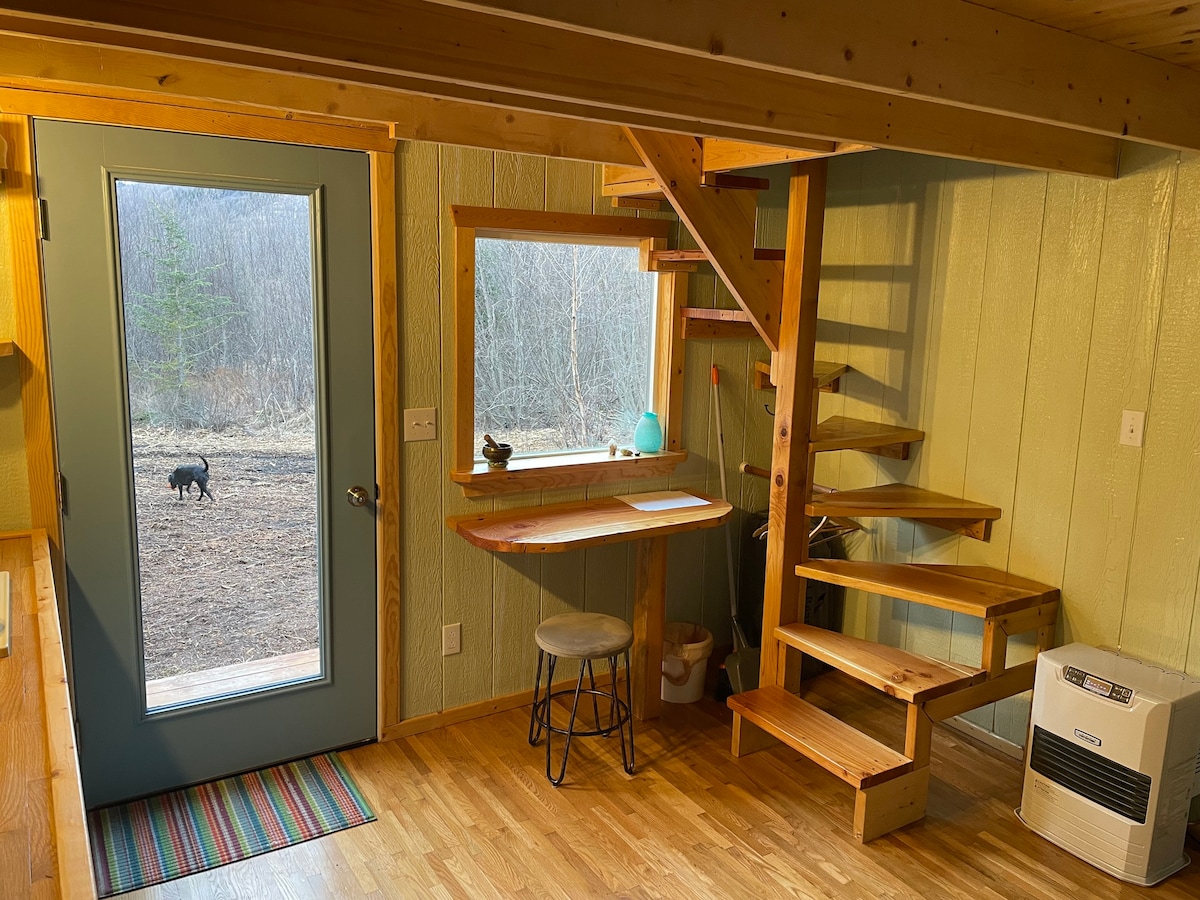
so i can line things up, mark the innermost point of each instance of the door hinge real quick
(43, 219)
(62, 494)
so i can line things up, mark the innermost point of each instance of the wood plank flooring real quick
(466, 811)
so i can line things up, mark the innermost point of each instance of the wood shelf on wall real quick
(7, 348)
(719, 324)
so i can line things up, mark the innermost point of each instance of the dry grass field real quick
(236, 579)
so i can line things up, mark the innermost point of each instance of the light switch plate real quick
(420, 424)
(1133, 421)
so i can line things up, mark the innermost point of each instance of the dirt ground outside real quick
(236, 579)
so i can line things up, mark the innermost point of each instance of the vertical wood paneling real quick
(874, 267)
(998, 398)
(1124, 334)
(1054, 389)
(420, 384)
(949, 380)
(1160, 599)
(842, 196)
(467, 177)
(1013, 340)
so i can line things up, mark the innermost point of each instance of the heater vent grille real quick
(1090, 775)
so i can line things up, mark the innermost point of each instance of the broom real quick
(742, 664)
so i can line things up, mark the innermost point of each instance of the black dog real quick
(183, 477)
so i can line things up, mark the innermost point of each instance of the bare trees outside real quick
(218, 305)
(564, 343)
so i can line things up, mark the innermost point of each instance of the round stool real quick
(583, 636)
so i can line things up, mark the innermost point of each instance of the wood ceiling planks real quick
(1168, 31)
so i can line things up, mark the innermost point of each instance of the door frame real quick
(32, 339)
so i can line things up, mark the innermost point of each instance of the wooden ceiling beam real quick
(419, 46)
(721, 221)
(943, 51)
(29, 62)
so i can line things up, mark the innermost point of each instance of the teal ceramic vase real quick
(647, 437)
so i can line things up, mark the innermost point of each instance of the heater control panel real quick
(1101, 686)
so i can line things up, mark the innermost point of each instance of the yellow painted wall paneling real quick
(1160, 617)
(874, 272)
(998, 398)
(842, 194)
(1054, 388)
(466, 177)
(421, 386)
(949, 379)
(1125, 329)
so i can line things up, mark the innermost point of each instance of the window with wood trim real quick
(563, 338)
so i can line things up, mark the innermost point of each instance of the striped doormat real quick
(150, 841)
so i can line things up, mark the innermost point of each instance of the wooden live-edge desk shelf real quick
(605, 520)
(538, 473)
(43, 832)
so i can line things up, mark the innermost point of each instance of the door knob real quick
(357, 496)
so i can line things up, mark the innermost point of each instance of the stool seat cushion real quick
(584, 635)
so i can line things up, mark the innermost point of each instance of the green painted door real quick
(209, 303)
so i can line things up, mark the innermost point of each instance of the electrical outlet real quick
(451, 639)
(420, 424)
(1133, 421)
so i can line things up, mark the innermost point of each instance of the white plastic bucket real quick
(686, 649)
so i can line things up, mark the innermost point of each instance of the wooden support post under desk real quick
(590, 523)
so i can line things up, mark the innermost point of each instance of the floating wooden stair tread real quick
(965, 589)
(898, 673)
(826, 376)
(899, 501)
(6, 348)
(852, 756)
(842, 433)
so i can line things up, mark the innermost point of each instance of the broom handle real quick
(724, 496)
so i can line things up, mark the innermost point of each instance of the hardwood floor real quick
(466, 811)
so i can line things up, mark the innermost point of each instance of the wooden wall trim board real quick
(568, 225)
(469, 711)
(464, 55)
(943, 51)
(138, 114)
(31, 339)
(388, 474)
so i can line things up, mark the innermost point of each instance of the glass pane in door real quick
(217, 291)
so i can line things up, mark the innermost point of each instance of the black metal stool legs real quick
(620, 711)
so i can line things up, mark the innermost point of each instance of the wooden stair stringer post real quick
(791, 474)
(722, 222)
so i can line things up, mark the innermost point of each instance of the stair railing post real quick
(795, 416)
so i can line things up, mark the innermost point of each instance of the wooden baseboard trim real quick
(460, 714)
(1008, 748)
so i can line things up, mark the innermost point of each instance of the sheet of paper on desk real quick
(654, 501)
